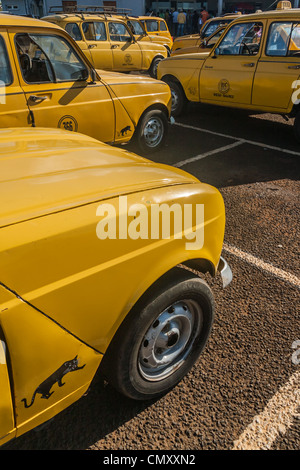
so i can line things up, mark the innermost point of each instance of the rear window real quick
(163, 26)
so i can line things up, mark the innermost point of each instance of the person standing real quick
(181, 19)
(204, 15)
(195, 22)
(175, 22)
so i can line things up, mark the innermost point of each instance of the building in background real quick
(38, 8)
(215, 7)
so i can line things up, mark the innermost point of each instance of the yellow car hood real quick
(116, 78)
(49, 170)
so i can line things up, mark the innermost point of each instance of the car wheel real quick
(153, 67)
(161, 339)
(151, 131)
(179, 100)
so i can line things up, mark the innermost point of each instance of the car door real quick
(97, 44)
(228, 72)
(276, 78)
(56, 83)
(14, 111)
(127, 54)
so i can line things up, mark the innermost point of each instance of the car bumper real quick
(225, 272)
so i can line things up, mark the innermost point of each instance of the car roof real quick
(79, 17)
(224, 17)
(15, 20)
(151, 18)
(280, 14)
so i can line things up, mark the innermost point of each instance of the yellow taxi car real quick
(255, 65)
(205, 45)
(84, 286)
(138, 28)
(209, 27)
(47, 81)
(108, 42)
(156, 26)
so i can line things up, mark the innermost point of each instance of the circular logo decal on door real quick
(128, 59)
(69, 123)
(223, 86)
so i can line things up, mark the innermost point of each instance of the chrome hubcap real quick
(169, 340)
(153, 132)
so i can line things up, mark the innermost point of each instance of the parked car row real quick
(253, 64)
(87, 281)
(117, 41)
(91, 279)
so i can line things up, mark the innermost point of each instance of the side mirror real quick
(204, 44)
(93, 75)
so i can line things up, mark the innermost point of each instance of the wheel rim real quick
(175, 100)
(153, 132)
(169, 340)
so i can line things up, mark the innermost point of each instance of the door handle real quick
(91, 46)
(114, 46)
(249, 64)
(36, 98)
(294, 67)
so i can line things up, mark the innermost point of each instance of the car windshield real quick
(212, 27)
(242, 38)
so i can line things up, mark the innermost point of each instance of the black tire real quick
(172, 325)
(179, 100)
(296, 126)
(153, 67)
(151, 132)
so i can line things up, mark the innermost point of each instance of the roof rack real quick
(92, 9)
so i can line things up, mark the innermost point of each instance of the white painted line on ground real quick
(207, 154)
(277, 417)
(279, 273)
(259, 144)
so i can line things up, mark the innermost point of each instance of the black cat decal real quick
(44, 389)
(125, 130)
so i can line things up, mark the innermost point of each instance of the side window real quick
(152, 26)
(94, 31)
(283, 39)
(48, 59)
(118, 32)
(74, 31)
(242, 39)
(5, 71)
